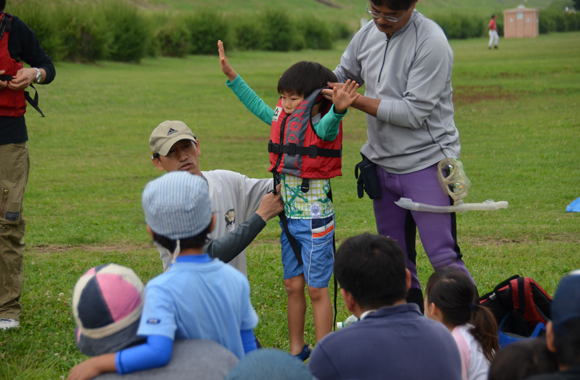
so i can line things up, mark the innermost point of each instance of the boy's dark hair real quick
(523, 359)
(455, 295)
(568, 344)
(395, 5)
(2, 5)
(373, 269)
(197, 241)
(304, 77)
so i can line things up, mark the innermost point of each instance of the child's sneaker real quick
(305, 354)
(9, 323)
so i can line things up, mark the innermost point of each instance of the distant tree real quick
(577, 5)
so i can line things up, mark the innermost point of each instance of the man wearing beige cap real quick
(242, 205)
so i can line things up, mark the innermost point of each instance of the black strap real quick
(6, 24)
(284, 221)
(33, 102)
(521, 295)
(312, 151)
(335, 281)
(291, 239)
(305, 185)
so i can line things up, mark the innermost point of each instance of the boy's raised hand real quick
(344, 97)
(226, 68)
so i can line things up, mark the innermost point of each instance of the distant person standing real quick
(493, 36)
(17, 43)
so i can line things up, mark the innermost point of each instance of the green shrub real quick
(84, 33)
(450, 24)
(40, 18)
(460, 26)
(316, 33)
(205, 29)
(560, 21)
(249, 35)
(573, 21)
(173, 39)
(545, 23)
(340, 30)
(129, 29)
(473, 27)
(279, 32)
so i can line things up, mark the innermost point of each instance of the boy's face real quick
(290, 101)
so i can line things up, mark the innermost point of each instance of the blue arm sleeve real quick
(155, 353)
(248, 340)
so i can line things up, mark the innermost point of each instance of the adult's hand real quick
(328, 92)
(271, 205)
(362, 103)
(23, 78)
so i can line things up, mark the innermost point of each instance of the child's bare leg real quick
(322, 309)
(296, 312)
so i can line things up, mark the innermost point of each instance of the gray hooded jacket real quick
(411, 74)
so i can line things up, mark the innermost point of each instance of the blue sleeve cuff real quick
(153, 354)
(248, 341)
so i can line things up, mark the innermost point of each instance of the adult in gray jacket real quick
(405, 62)
(242, 205)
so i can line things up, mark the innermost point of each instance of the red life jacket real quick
(294, 146)
(12, 102)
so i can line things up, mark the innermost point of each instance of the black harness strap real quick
(284, 221)
(33, 102)
(312, 151)
(5, 25)
(334, 277)
(305, 185)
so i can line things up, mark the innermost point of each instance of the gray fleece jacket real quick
(411, 74)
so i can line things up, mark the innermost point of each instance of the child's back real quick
(473, 360)
(199, 299)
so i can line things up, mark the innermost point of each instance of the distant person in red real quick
(493, 37)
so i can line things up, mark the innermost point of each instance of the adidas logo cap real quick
(168, 133)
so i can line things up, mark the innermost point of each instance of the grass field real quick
(517, 110)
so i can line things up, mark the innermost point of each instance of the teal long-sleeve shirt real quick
(327, 128)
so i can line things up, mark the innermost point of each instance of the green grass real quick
(517, 110)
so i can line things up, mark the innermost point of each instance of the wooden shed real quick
(521, 22)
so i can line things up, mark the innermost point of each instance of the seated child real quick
(197, 298)
(107, 306)
(451, 298)
(522, 360)
(305, 152)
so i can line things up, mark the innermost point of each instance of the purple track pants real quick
(437, 231)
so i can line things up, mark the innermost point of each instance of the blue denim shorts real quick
(314, 239)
